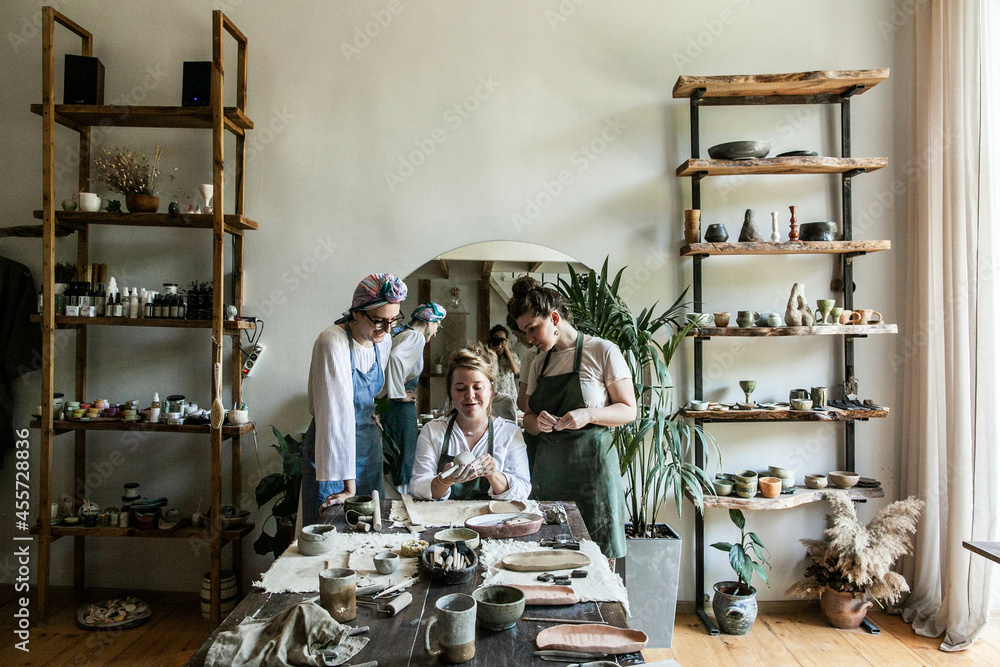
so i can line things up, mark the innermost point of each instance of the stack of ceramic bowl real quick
(745, 483)
(786, 476)
(723, 483)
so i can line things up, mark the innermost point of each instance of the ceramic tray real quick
(591, 639)
(502, 526)
(120, 613)
(545, 561)
(550, 596)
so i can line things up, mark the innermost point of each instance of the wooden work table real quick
(989, 550)
(399, 641)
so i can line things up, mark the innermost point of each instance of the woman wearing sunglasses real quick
(406, 361)
(342, 451)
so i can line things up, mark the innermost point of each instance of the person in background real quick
(508, 365)
(500, 468)
(530, 441)
(342, 451)
(406, 361)
(579, 388)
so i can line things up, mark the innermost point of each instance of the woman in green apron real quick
(499, 469)
(579, 388)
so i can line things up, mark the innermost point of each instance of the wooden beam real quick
(483, 310)
(533, 268)
(444, 268)
(424, 392)
(487, 269)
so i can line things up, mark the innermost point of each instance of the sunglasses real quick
(382, 324)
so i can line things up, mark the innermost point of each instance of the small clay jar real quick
(770, 487)
(716, 233)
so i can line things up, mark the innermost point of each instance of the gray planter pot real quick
(734, 614)
(651, 572)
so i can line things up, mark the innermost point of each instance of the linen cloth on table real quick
(600, 585)
(305, 634)
(295, 573)
(440, 513)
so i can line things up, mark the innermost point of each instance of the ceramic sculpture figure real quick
(749, 231)
(797, 312)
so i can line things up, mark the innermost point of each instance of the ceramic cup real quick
(723, 487)
(798, 394)
(801, 404)
(835, 314)
(850, 317)
(54, 513)
(746, 477)
(387, 562)
(90, 202)
(816, 481)
(818, 396)
(747, 318)
(336, 593)
(868, 316)
(770, 487)
(721, 319)
(456, 616)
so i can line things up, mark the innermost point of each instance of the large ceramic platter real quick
(117, 614)
(591, 639)
(502, 526)
(550, 596)
(545, 561)
(507, 506)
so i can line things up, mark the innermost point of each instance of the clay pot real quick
(770, 487)
(843, 610)
(734, 614)
(139, 203)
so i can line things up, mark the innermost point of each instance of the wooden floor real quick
(177, 630)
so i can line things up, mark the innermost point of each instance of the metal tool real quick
(540, 619)
(392, 589)
(568, 656)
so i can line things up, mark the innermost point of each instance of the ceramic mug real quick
(336, 593)
(746, 318)
(456, 615)
(721, 319)
(797, 394)
(850, 317)
(868, 316)
(818, 395)
(90, 202)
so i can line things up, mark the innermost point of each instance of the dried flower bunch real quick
(853, 557)
(128, 172)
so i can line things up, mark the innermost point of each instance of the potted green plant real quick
(655, 450)
(852, 561)
(282, 488)
(735, 602)
(132, 174)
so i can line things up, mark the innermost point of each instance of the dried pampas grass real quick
(852, 557)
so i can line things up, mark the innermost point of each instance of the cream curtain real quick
(951, 331)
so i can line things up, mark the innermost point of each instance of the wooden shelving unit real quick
(824, 87)
(80, 118)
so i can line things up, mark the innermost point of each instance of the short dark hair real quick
(497, 328)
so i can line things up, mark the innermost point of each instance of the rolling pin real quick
(377, 516)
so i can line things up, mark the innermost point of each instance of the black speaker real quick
(83, 80)
(197, 83)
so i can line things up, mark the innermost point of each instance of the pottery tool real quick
(416, 525)
(562, 620)
(464, 458)
(396, 605)
(370, 663)
(377, 516)
(218, 410)
(374, 589)
(392, 589)
(567, 656)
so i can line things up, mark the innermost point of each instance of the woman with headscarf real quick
(406, 361)
(579, 388)
(500, 467)
(342, 451)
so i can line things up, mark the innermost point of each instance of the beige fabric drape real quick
(951, 329)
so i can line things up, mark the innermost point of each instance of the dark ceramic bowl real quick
(449, 577)
(818, 231)
(363, 505)
(716, 233)
(739, 150)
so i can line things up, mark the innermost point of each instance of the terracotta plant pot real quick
(139, 203)
(843, 610)
(734, 613)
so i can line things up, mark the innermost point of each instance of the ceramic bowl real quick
(816, 481)
(716, 233)
(739, 150)
(316, 539)
(845, 479)
(801, 404)
(699, 405)
(770, 487)
(746, 492)
(725, 476)
(746, 477)
(818, 231)
(498, 607)
(787, 483)
(723, 487)
(777, 471)
(363, 505)
(146, 519)
(238, 417)
(467, 535)
(386, 562)
(449, 577)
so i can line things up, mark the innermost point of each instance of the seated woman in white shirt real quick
(500, 469)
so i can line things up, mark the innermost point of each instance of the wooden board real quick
(76, 115)
(824, 82)
(119, 425)
(182, 532)
(989, 550)
(62, 321)
(780, 165)
(832, 414)
(784, 248)
(768, 332)
(235, 224)
(786, 501)
(545, 561)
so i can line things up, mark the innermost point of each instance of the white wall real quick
(564, 86)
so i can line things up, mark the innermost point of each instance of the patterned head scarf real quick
(429, 312)
(376, 290)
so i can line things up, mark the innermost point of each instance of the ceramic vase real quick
(141, 203)
(843, 610)
(735, 614)
(749, 231)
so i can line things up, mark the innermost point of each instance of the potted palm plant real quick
(852, 562)
(735, 602)
(655, 450)
(282, 488)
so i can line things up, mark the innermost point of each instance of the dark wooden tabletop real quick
(399, 641)
(989, 550)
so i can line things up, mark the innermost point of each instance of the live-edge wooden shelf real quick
(787, 500)
(772, 87)
(182, 532)
(785, 248)
(234, 224)
(65, 322)
(75, 116)
(66, 426)
(831, 415)
(780, 165)
(772, 332)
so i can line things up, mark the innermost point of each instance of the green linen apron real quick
(582, 465)
(479, 489)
